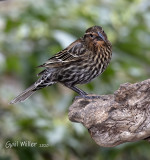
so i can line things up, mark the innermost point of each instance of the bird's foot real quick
(87, 97)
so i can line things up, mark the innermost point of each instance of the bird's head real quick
(95, 37)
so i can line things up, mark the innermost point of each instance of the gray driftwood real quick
(117, 118)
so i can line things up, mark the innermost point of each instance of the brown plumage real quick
(79, 63)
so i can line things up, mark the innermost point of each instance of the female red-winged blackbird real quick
(79, 63)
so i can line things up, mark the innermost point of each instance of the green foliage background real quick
(32, 31)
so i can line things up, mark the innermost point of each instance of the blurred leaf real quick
(31, 33)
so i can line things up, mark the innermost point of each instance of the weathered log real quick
(117, 118)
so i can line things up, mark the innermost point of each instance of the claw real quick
(87, 97)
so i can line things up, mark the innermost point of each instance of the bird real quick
(79, 63)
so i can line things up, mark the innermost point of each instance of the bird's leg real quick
(77, 90)
(81, 93)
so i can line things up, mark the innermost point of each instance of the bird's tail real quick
(24, 95)
(29, 91)
(42, 82)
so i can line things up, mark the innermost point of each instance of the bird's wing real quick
(73, 52)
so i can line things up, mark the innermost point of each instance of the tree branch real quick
(118, 118)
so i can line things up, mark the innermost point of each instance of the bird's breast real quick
(100, 61)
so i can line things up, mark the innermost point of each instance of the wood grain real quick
(118, 118)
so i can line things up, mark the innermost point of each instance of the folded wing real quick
(73, 52)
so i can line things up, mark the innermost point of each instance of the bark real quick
(117, 118)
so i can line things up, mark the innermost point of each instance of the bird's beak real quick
(102, 37)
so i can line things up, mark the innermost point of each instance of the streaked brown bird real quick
(79, 63)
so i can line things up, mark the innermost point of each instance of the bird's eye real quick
(91, 35)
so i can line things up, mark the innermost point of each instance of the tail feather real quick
(24, 95)
(42, 82)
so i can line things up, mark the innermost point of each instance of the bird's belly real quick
(80, 73)
(88, 75)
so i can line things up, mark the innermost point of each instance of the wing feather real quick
(73, 52)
